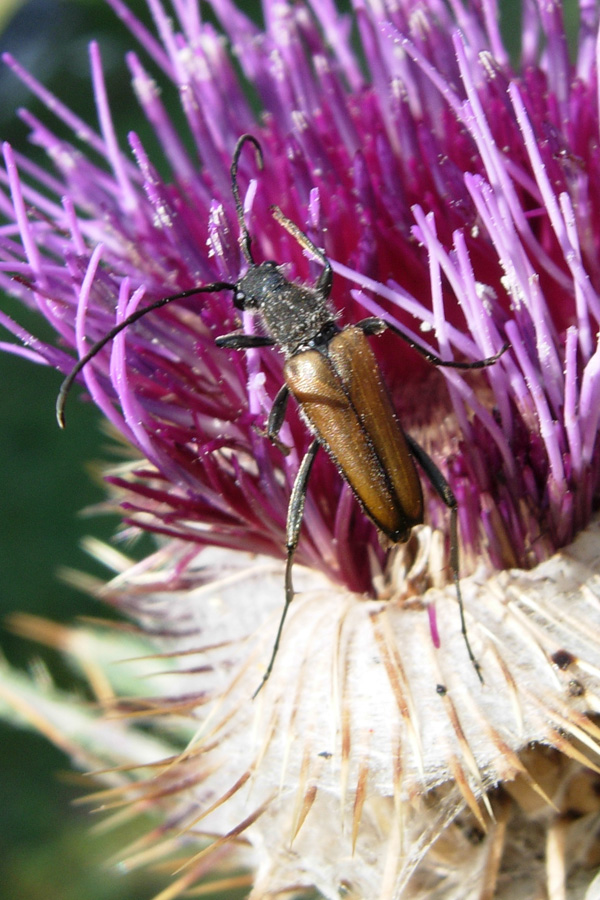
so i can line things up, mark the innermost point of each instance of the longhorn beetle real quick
(334, 377)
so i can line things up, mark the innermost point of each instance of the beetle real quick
(333, 375)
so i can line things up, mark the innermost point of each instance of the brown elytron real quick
(341, 393)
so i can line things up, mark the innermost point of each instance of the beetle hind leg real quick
(442, 488)
(456, 579)
(293, 525)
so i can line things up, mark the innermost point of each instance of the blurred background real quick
(48, 847)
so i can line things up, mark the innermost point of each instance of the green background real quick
(47, 849)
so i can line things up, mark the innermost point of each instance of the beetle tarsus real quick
(294, 521)
(444, 491)
(289, 596)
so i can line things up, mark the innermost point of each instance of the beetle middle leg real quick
(442, 488)
(294, 521)
(237, 340)
(276, 419)
(375, 326)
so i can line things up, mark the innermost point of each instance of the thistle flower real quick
(457, 198)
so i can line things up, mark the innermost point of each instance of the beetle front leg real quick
(237, 340)
(294, 522)
(444, 491)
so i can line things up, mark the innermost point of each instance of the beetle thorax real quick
(293, 314)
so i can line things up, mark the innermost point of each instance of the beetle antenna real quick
(138, 314)
(245, 239)
(303, 239)
(325, 281)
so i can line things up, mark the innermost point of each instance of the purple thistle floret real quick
(456, 198)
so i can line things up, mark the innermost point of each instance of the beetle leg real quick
(444, 491)
(277, 414)
(325, 280)
(374, 325)
(292, 530)
(237, 340)
(276, 418)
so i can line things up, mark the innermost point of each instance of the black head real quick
(293, 314)
(259, 283)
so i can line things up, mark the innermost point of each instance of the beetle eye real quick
(239, 299)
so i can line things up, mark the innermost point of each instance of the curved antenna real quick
(245, 239)
(216, 286)
(68, 382)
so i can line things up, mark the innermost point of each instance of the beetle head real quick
(259, 286)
